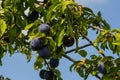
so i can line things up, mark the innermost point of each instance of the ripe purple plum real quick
(68, 41)
(44, 28)
(54, 62)
(44, 53)
(33, 16)
(49, 75)
(36, 43)
(101, 68)
(45, 1)
(41, 73)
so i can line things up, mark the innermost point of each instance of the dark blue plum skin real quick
(33, 16)
(36, 43)
(68, 41)
(44, 28)
(101, 68)
(44, 52)
(45, 1)
(54, 62)
(41, 73)
(49, 75)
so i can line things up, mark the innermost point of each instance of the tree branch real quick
(100, 29)
(78, 48)
(89, 41)
(97, 27)
(72, 60)
(69, 58)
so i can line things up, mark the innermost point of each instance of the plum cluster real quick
(38, 44)
(49, 74)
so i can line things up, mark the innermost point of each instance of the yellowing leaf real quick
(3, 27)
(81, 63)
(101, 51)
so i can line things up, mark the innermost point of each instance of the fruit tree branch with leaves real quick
(49, 28)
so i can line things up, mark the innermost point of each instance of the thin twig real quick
(69, 58)
(47, 64)
(78, 48)
(87, 39)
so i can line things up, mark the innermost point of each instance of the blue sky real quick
(17, 68)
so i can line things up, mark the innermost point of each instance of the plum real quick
(36, 43)
(54, 62)
(6, 39)
(68, 41)
(44, 28)
(45, 1)
(2, 4)
(44, 53)
(101, 68)
(41, 73)
(49, 75)
(33, 16)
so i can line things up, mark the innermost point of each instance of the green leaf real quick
(86, 75)
(1, 77)
(99, 14)
(116, 30)
(28, 26)
(97, 40)
(83, 53)
(13, 32)
(65, 3)
(73, 65)
(11, 49)
(87, 9)
(60, 38)
(3, 27)
(38, 64)
(58, 73)
(7, 79)
(80, 71)
(106, 25)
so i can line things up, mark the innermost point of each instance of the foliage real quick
(2, 78)
(63, 17)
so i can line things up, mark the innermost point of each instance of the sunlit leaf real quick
(3, 27)
(60, 38)
(28, 26)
